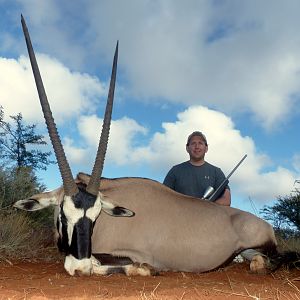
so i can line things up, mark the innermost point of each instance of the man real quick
(193, 177)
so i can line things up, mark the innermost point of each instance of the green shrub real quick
(17, 184)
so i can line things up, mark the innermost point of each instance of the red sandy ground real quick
(48, 280)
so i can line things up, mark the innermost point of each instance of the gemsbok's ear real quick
(29, 205)
(40, 201)
(116, 211)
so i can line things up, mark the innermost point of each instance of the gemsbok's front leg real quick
(129, 269)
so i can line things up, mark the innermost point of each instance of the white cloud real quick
(40, 12)
(75, 154)
(53, 25)
(121, 139)
(120, 146)
(230, 55)
(69, 93)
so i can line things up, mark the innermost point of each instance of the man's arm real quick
(225, 199)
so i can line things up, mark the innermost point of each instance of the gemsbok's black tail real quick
(289, 259)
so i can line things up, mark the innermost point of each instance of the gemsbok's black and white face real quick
(78, 206)
(75, 222)
(74, 218)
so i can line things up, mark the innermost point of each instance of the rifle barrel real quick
(214, 196)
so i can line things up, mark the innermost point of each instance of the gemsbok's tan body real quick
(171, 231)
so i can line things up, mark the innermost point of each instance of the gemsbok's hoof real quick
(153, 271)
(259, 265)
(140, 269)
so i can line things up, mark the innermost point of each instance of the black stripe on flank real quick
(115, 270)
(108, 259)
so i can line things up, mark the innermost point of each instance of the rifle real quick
(212, 195)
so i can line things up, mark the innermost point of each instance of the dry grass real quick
(292, 244)
(149, 296)
(20, 236)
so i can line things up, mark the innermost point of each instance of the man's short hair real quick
(196, 133)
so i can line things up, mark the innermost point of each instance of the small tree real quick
(1, 113)
(15, 141)
(17, 184)
(285, 213)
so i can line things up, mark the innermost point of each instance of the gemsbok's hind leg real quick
(129, 269)
(259, 263)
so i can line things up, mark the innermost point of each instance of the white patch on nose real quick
(84, 266)
(93, 212)
(72, 214)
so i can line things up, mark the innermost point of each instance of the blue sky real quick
(227, 68)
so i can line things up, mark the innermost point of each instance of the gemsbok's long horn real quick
(94, 183)
(65, 171)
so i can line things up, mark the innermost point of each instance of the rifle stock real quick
(219, 191)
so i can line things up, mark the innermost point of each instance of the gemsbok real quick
(164, 231)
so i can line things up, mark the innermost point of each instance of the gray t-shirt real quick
(193, 180)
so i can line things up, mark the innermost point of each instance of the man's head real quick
(196, 147)
(196, 133)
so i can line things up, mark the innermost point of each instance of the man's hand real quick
(225, 199)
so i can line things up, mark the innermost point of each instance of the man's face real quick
(196, 148)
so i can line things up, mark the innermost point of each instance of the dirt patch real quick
(48, 280)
